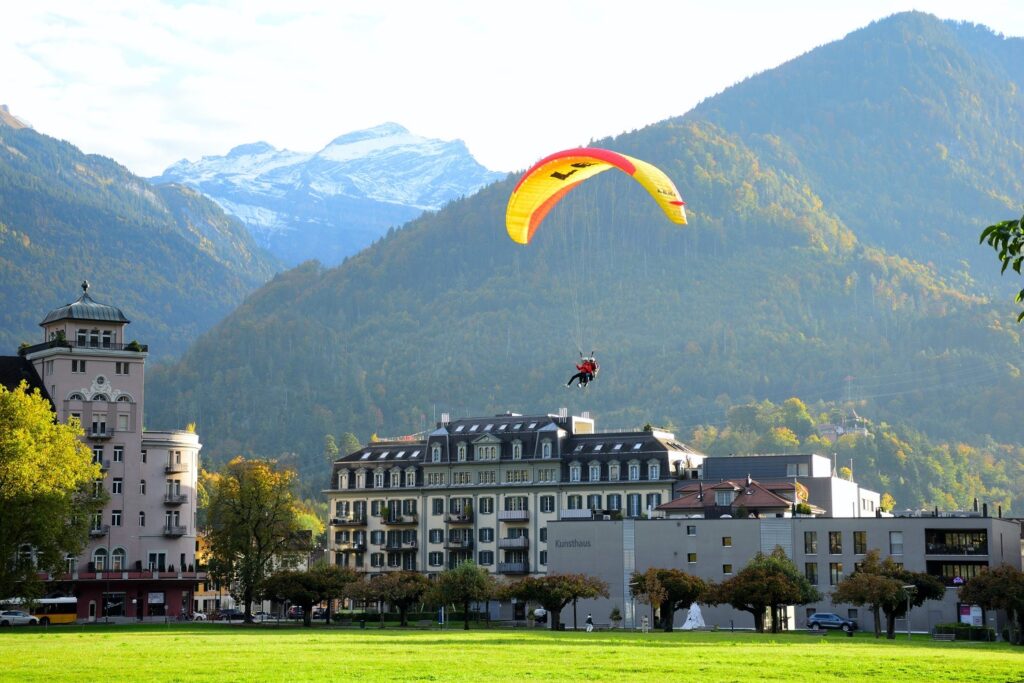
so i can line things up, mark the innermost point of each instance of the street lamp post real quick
(909, 590)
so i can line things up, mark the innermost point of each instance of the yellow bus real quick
(47, 610)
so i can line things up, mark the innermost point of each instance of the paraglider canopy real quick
(551, 178)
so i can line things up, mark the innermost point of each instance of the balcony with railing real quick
(174, 530)
(97, 345)
(398, 520)
(522, 542)
(459, 517)
(513, 515)
(349, 520)
(458, 543)
(99, 531)
(513, 568)
(176, 467)
(175, 498)
(101, 434)
(576, 514)
(351, 547)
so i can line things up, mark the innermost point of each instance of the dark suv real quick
(821, 620)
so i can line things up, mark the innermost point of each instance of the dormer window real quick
(435, 453)
(634, 471)
(396, 478)
(410, 477)
(613, 471)
(517, 450)
(545, 449)
(343, 480)
(574, 471)
(724, 498)
(360, 479)
(462, 452)
(595, 471)
(378, 479)
(653, 471)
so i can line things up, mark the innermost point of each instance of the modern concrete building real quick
(140, 560)
(953, 548)
(486, 489)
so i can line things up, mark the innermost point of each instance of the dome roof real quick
(84, 308)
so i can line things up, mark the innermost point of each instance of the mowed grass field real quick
(214, 652)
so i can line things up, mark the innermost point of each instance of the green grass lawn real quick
(214, 652)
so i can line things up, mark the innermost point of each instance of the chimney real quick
(1000, 508)
(975, 504)
(984, 510)
(563, 413)
(445, 419)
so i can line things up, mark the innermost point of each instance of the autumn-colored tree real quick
(999, 588)
(869, 586)
(554, 591)
(767, 583)
(926, 587)
(251, 520)
(332, 581)
(297, 587)
(463, 585)
(46, 500)
(670, 589)
(401, 590)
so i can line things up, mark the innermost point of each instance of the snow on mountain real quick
(332, 203)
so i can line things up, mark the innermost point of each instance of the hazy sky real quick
(149, 82)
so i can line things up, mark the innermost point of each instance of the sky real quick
(149, 82)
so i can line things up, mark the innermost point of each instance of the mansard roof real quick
(15, 369)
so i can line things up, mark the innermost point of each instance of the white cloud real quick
(150, 82)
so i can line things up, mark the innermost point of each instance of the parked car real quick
(229, 615)
(262, 616)
(16, 617)
(199, 616)
(295, 612)
(319, 612)
(821, 620)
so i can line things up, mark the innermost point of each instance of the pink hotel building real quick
(140, 561)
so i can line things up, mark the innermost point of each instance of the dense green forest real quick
(768, 293)
(169, 257)
(894, 459)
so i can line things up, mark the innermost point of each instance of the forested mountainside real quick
(767, 294)
(169, 257)
(330, 204)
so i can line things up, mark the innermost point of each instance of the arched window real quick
(124, 398)
(396, 478)
(435, 453)
(545, 449)
(378, 479)
(574, 471)
(100, 397)
(462, 452)
(595, 471)
(634, 471)
(76, 397)
(142, 487)
(118, 559)
(99, 559)
(410, 476)
(653, 470)
(142, 518)
(517, 450)
(613, 471)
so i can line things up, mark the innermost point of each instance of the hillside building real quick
(140, 559)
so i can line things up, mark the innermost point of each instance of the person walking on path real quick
(590, 623)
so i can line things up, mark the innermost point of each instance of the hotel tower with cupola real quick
(140, 559)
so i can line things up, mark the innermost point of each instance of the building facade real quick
(485, 489)
(825, 549)
(140, 559)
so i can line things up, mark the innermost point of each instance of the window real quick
(117, 485)
(811, 572)
(810, 543)
(462, 478)
(691, 558)
(142, 518)
(435, 559)
(653, 470)
(547, 503)
(99, 558)
(517, 503)
(835, 543)
(653, 500)
(574, 502)
(142, 487)
(851, 613)
(376, 559)
(895, 542)
(118, 559)
(796, 469)
(517, 476)
(860, 542)
(108, 337)
(485, 558)
(436, 535)
(485, 476)
(378, 479)
(486, 535)
(115, 518)
(613, 471)
(724, 498)
(121, 368)
(545, 449)
(461, 452)
(377, 537)
(835, 573)
(727, 569)
(634, 471)
(396, 478)
(633, 503)
(547, 474)
(437, 506)
(118, 453)
(594, 501)
(122, 421)
(410, 477)
(726, 541)
(97, 454)
(143, 456)
(810, 612)
(574, 472)
(543, 557)
(435, 453)
(375, 506)
(77, 365)
(435, 479)
(486, 505)
(614, 501)
(409, 506)
(543, 534)
(517, 450)
(691, 530)
(595, 471)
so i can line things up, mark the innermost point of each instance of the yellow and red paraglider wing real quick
(544, 185)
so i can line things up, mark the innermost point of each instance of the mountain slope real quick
(169, 257)
(768, 293)
(330, 204)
